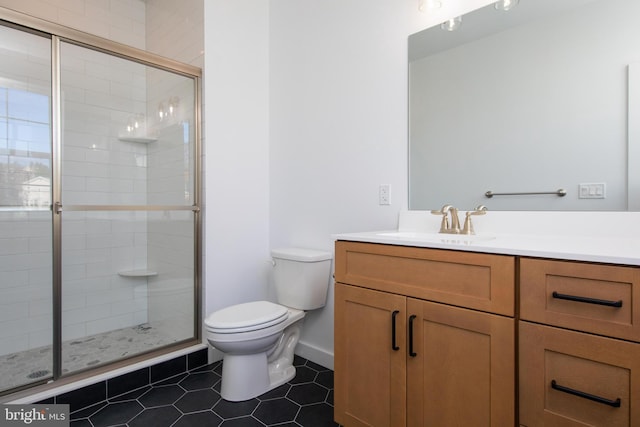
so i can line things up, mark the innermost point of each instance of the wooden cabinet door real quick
(462, 369)
(574, 379)
(369, 367)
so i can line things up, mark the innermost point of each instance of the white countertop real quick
(615, 250)
(606, 237)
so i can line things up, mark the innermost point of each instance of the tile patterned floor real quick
(193, 400)
(32, 365)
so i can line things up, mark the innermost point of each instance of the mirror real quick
(531, 100)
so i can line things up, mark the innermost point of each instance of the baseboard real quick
(315, 354)
(310, 352)
(214, 355)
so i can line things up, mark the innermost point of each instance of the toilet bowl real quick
(258, 338)
(258, 350)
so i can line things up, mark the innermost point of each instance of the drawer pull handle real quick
(587, 300)
(614, 403)
(411, 352)
(394, 345)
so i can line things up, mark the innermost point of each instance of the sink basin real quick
(438, 237)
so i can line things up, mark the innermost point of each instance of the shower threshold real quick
(24, 367)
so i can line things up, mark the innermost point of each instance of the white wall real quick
(305, 116)
(237, 152)
(295, 158)
(338, 117)
(338, 114)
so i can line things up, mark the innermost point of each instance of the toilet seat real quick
(246, 317)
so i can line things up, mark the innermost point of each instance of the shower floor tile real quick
(194, 400)
(28, 366)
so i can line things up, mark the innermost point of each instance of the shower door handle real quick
(57, 208)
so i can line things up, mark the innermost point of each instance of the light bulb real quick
(506, 5)
(424, 5)
(452, 24)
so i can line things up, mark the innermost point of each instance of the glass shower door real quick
(26, 298)
(127, 208)
(98, 205)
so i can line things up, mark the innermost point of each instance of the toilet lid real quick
(246, 317)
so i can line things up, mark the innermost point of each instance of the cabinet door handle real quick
(394, 345)
(411, 352)
(587, 300)
(614, 403)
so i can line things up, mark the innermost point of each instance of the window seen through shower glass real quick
(127, 227)
(25, 148)
(26, 332)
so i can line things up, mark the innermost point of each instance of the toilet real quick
(258, 338)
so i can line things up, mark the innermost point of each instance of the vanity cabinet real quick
(423, 337)
(579, 351)
(369, 369)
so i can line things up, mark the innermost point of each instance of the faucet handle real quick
(443, 211)
(479, 210)
(468, 225)
(444, 224)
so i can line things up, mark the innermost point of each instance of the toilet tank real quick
(301, 277)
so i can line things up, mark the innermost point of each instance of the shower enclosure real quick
(99, 203)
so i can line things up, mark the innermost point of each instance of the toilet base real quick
(244, 376)
(247, 376)
(281, 376)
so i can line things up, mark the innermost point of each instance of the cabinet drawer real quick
(588, 297)
(570, 378)
(473, 280)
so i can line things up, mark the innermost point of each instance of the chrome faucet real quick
(447, 227)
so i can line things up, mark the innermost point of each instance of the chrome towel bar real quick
(560, 193)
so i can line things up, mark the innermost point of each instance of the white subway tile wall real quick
(101, 95)
(25, 223)
(119, 20)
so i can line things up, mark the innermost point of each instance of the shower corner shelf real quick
(138, 273)
(138, 139)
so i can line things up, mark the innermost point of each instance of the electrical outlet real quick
(596, 190)
(384, 194)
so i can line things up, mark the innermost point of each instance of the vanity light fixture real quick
(452, 24)
(174, 101)
(506, 5)
(135, 123)
(424, 5)
(168, 108)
